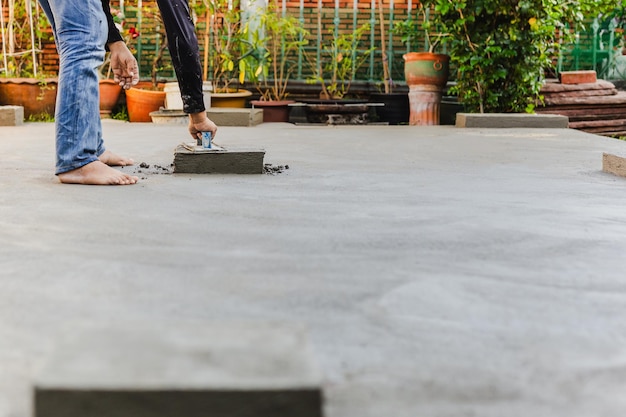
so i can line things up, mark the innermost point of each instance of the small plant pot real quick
(273, 111)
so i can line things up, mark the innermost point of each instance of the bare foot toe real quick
(97, 173)
(112, 159)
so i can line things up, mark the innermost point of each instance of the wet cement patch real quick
(144, 169)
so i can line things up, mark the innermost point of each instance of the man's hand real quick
(199, 122)
(124, 65)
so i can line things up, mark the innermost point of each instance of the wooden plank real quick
(598, 123)
(619, 98)
(581, 93)
(558, 87)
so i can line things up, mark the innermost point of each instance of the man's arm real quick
(123, 63)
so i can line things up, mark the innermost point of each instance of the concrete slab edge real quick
(509, 120)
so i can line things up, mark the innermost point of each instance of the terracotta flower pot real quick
(274, 111)
(35, 95)
(141, 103)
(426, 68)
(426, 75)
(109, 95)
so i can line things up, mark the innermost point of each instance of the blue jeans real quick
(80, 32)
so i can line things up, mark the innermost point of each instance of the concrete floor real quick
(439, 271)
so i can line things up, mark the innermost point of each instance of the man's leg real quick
(183, 46)
(80, 31)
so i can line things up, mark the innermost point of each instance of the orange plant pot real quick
(141, 103)
(422, 68)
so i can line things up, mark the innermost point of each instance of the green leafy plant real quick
(274, 39)
(120, 113)
(501, 49)
(339, 62)
(227, 45)
(411, 31)
(41, 117)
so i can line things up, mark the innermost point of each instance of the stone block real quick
(508, 120)
(170, 117)
(614, 164)
(197, 160)
(578, 77)
(209, 369)
(226, 116)
(11, 115)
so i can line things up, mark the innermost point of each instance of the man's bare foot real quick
(97, 173)
(113, 160)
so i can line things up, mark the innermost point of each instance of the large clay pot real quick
(109, 95)
(141, 102)
(426, 68)
(273, 111)
(426, 75)
(235, 99)
(37, 96)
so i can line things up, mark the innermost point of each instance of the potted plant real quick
(225, 53)
(148, 97)
(334, 69)
(275, 38)
(426, 73)
(21, 77)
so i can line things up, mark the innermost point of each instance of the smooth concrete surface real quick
(438, 271)
(512, 120)
(204, 369)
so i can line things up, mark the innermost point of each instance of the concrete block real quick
(578, 77)
(197, 160)
(505, 120)
(240, 369)
(226, 116)
(11, 115)
(614, 164)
